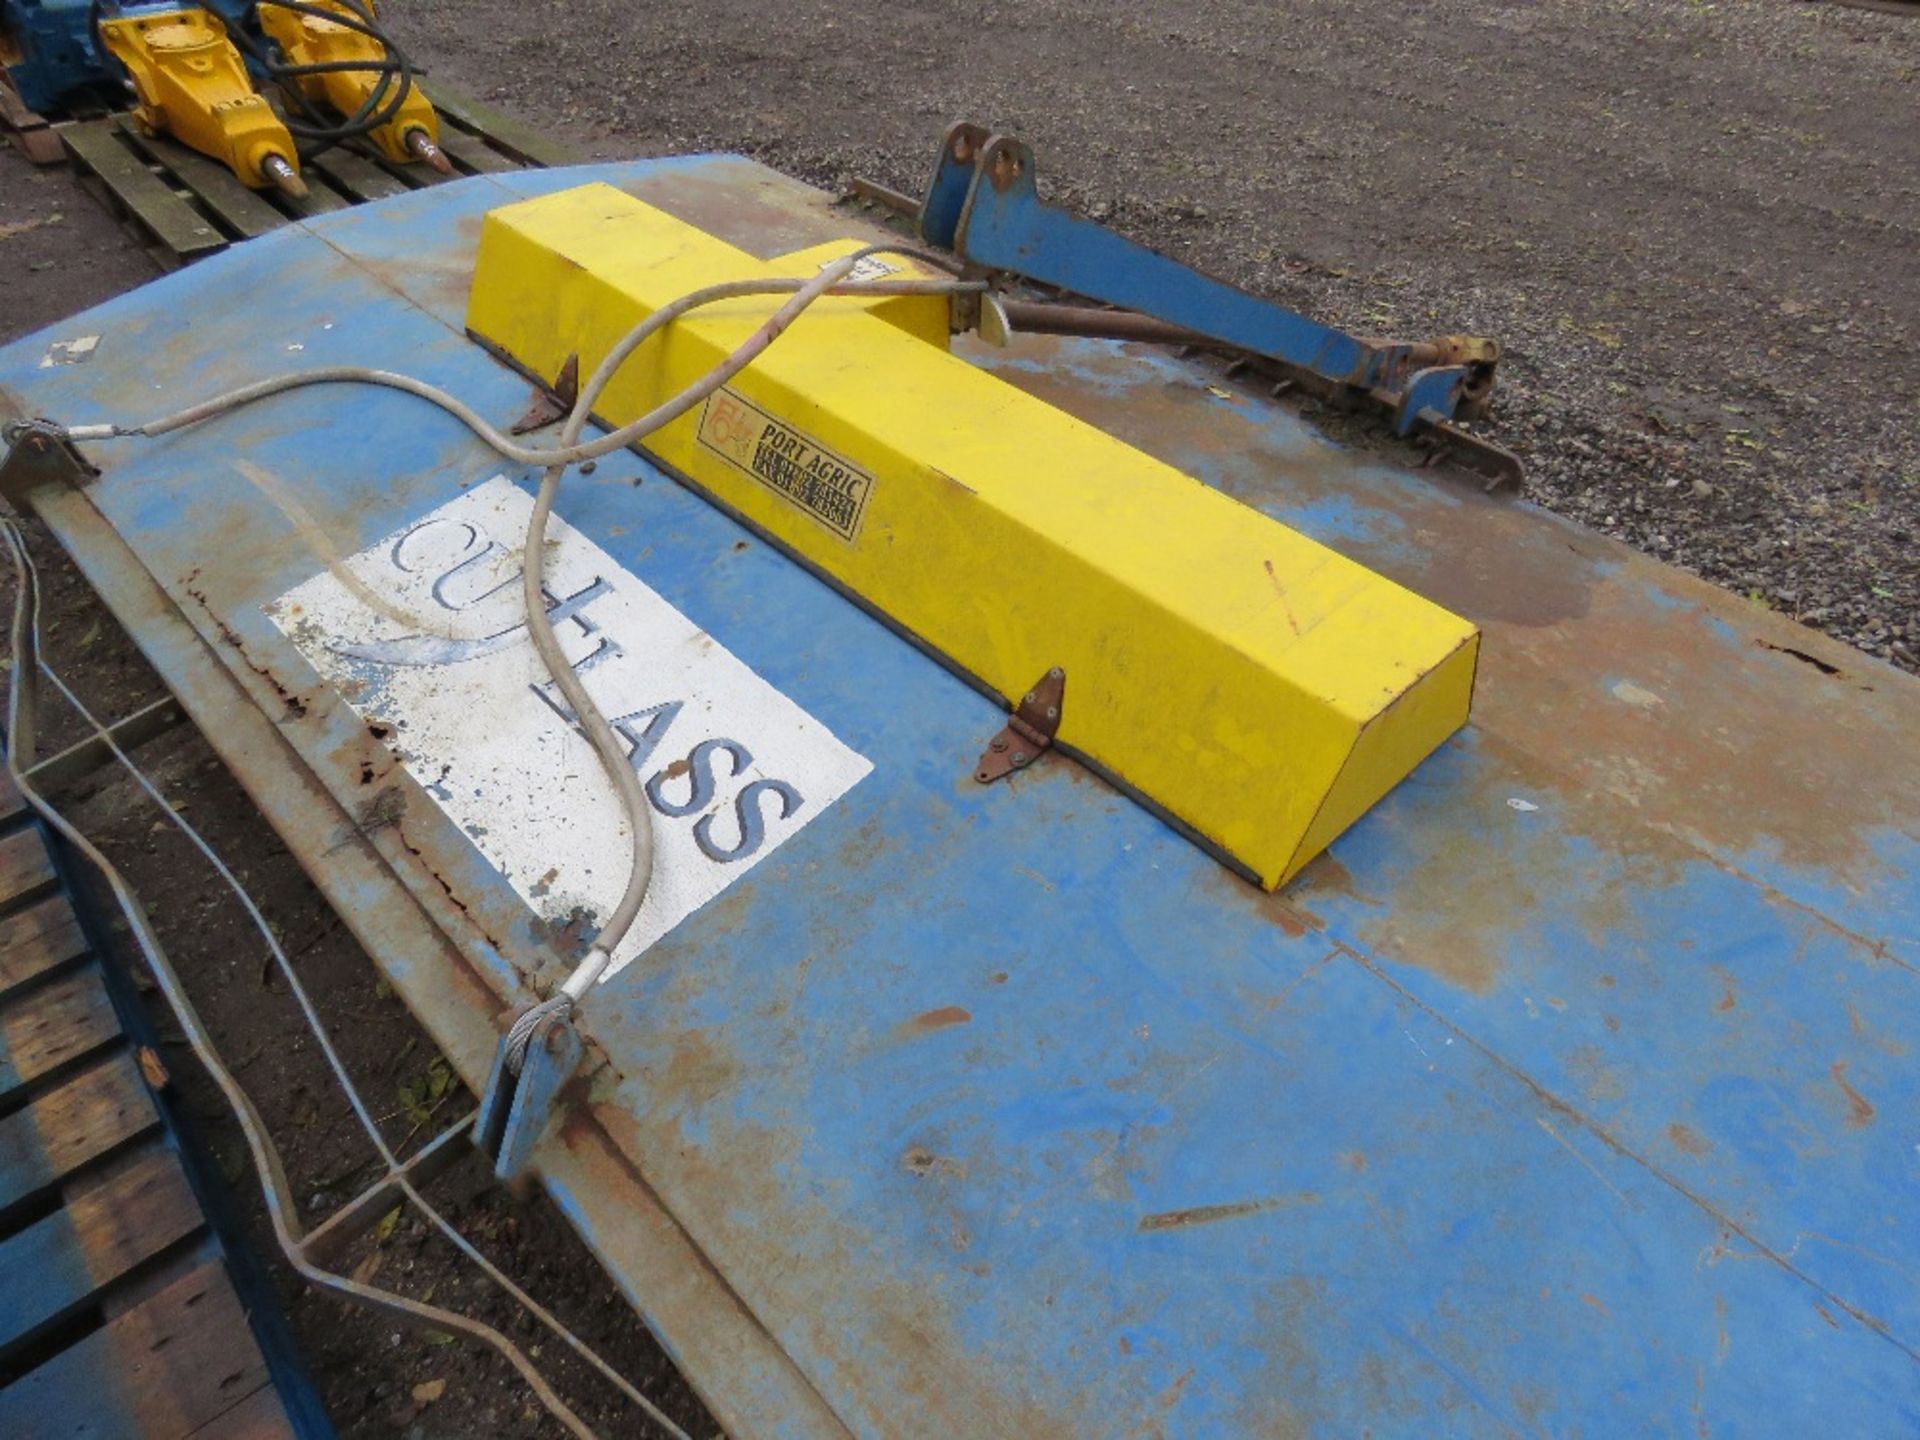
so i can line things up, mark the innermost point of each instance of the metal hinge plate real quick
(1029, 730)
(551, 403)
(37, 454)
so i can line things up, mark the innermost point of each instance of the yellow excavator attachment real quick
(191, 84)
(413, 132)
(1257, 687)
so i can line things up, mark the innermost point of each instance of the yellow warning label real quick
(805, 473)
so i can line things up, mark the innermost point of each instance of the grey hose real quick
(504, 444)
(832, 279)
(592, 722)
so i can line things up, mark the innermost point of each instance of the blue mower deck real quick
(1569, 1092)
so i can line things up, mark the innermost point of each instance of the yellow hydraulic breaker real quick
(336, 60)
(1257, 687)
(192, 84)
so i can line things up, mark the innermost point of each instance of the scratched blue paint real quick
(1069, 358)
(1333, 519)
(1012, 1111)
(1880, 901)
(1694, 971)
(1665, 601)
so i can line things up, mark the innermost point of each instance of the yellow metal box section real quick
(1259, 688)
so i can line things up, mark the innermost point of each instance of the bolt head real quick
(1020, 757)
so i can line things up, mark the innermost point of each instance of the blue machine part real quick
(57, 53)
(1570, 1093)
(1003, 225)
(951, 180)
(56, 49)
(1429, 398)
(516, 1110)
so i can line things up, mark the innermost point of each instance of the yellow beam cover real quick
(1259, 688)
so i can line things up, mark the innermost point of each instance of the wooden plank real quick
(516, 138)
(41, 146)
(358, 176)
(422, 177)
(473, 153)
(27, 128)
(321, 197)
(260, 1416)
(13, 110)
(97, 147)
(89, 1116)
(47, 1027)
(57, 1265)
(175, 1363)
(230, 201)
(103, 196)
(88, 754)
(40, 938)
(25, 865)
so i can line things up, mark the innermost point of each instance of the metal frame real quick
(982, 203)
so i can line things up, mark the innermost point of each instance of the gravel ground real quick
(1693, 226)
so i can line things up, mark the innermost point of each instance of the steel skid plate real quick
(1571, 1092)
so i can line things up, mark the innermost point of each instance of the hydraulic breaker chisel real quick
(192, 84)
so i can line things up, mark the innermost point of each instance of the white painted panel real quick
(424, 632)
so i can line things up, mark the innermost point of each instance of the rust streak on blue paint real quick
(1234, 1210)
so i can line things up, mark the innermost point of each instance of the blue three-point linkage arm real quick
(982, 204)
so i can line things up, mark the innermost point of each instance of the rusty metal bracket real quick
(1028, 731)
(1499, 467)
(515, 1108)
(872, 192)
(552, 403)
(38, 453)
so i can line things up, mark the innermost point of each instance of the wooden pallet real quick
(181, 206)
(117, 1315)
(31, 133)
